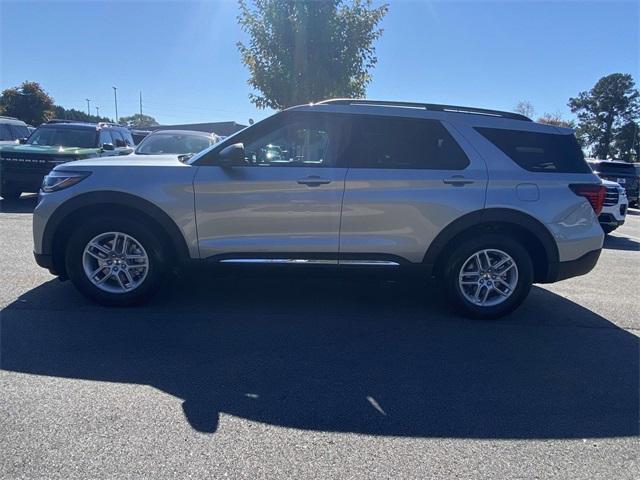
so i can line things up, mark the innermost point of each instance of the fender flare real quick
(489, 216)
(120, 199)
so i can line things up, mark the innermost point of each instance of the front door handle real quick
(457, 181)
(313, 181)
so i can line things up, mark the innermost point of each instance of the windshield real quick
(173, 143)
(64, 137)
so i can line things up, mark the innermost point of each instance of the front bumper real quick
(609, 220)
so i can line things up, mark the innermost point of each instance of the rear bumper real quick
(574, 268)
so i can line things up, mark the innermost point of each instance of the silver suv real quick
(486, 202)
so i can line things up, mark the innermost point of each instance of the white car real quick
(614, 210)
(12, 129)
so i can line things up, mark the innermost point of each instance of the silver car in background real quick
(175, 142)
(484, 201)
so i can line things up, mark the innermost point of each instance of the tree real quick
(303, 51)
(73, 114)
(138, 120)
(28, 102)
(525, 108)
(602, 111)
(557, 120)
(626, 144)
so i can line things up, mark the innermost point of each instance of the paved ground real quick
(250, 377)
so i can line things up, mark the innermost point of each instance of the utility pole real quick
(88, 108)
(141, 103)
(115, 99)
(98, 112)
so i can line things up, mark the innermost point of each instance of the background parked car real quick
(138, 135)
(614, 209)
(178, 142)
(624, 173)
(23, 166)
(12, 129)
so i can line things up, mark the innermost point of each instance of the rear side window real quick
(539, 152)
(5, 132)
(390, 142)
(19, 131)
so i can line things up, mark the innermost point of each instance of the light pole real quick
(115, 99)
(88, 108)
(98, 112)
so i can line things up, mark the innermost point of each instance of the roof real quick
(11, 120)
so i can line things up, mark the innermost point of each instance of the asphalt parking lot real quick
(263, 377)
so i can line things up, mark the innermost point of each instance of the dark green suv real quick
(23, 166)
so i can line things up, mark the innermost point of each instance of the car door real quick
(283, 202)
(408, 179)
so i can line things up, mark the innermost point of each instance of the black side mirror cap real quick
(108, 146)
(232, 155)
(22, 141)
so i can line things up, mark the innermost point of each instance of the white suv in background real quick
(12, 130)
(614, 209)
(484, 201)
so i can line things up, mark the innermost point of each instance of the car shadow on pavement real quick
(25, 204)
(615, 242)
(343, 355)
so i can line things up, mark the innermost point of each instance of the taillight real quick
(594, 193)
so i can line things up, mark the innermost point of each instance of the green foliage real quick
(557, 120)
(626, 143)
(138, 120)
(303, 51)
(604, 110)
(28, 102)
(73, 114)
(524, 107)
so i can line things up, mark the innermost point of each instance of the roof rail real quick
(426, 106)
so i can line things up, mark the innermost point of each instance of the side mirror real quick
(22, 141)
(108, 146)
(232, 155)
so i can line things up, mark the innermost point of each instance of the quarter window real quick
(539, 152)
(402, 143)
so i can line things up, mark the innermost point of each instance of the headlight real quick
(59, 180)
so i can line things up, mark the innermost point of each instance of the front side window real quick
(105, 137)
(118, 141)
(19, 131)
(5, 133)
(64, 137)
(402, 143)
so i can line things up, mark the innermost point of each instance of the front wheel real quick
(488, 276)
(115, 261)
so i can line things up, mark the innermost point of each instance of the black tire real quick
(463, 251)
(142, 233)
(10, 193)
(607, 229)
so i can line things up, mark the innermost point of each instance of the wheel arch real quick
(536, 238)
(68, 214)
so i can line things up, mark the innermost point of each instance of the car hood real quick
(125, 161)
(46, 149)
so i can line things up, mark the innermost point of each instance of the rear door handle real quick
(313, 181)
(457, 181)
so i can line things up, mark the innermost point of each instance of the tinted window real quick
(539, 152)
(65, 137)
(5, 133)
(293, 141)
(389, 142)
(19, 131)
(118, 141)
(128, 139)
(105, 137)
(609, 167)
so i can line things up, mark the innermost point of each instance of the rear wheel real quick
(488, 276)
(115, 261)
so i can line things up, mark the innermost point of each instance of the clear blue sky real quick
(182, 55)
